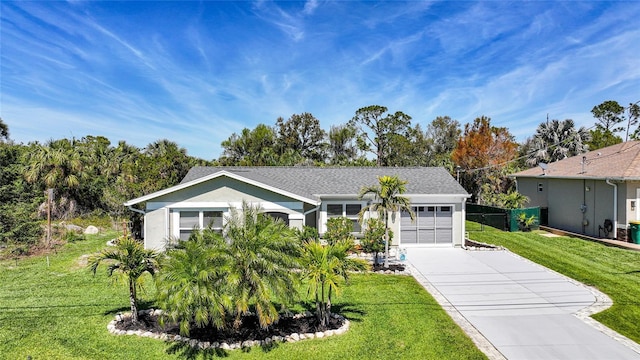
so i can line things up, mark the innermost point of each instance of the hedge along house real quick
(304, 196)
(583, 192)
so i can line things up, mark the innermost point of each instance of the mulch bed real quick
(249, 330)
(392, 267)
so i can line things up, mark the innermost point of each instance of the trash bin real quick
(634, 231)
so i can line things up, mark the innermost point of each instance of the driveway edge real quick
(602, 303)
(478, 339)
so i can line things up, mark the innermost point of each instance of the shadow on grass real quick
(350, 311)
(186, 351)
(142, 305)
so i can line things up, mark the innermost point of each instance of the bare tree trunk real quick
(132, 300)
(386, 240)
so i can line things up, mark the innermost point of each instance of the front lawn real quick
(614, 271)
(58, 310)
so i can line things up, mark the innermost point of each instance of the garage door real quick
(433, 225)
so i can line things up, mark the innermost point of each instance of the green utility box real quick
(634, 231)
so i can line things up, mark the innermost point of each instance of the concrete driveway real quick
(515, 309)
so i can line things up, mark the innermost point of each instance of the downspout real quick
(615, 207)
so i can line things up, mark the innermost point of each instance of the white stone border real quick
(224, 346)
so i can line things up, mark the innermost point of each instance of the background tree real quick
(18, 200)
(255, 147)
(4, 130)
(482, 151)
(387, 201)
(610, 116)
(130, 259)
(443, 134)
(410, 149)
(342, 148)
(302, 134)
(377, 129)
(555, 140)
(602, 138)
(633, 116)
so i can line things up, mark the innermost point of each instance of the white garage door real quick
(433, 225)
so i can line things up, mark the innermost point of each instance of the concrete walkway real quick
(515, 309)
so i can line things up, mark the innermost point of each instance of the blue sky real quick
(196, 72)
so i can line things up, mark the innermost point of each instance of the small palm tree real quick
(130, 259)
(191, 286)
(324, 267)
(262, 252)
(388, 201)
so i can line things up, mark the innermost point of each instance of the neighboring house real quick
(582, 192)
(304, 196)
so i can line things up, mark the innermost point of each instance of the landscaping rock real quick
(71, 227)
(91, 230)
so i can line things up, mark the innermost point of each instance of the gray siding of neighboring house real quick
(535, 189)
(577, 205)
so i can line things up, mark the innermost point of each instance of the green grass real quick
(60, 311)
(614, 271)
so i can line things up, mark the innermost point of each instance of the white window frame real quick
(344, 204)
(176, 219)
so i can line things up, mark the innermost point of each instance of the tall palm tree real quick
(191, 286)
(53, 164)
(555, 140)
(262, 252)
(387, 201)
(130, 259)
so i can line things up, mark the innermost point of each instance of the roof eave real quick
(216, 175)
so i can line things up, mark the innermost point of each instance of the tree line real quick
(92, 175)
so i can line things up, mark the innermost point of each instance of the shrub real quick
(307, 234)
(339, 229)
(373, 237)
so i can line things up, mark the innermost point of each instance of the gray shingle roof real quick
(313, 182)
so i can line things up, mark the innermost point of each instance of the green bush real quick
(339, 228)
(307, 234)
(373, 237)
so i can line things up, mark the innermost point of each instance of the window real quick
(194, 219)
(445, 208)
(350, 211)
(540, 187)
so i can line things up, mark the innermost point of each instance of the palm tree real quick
(388, 201)
(555, 140)
(56, 163)
(191, 286)
(262, 252)
(130, 259)
(324, 267)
